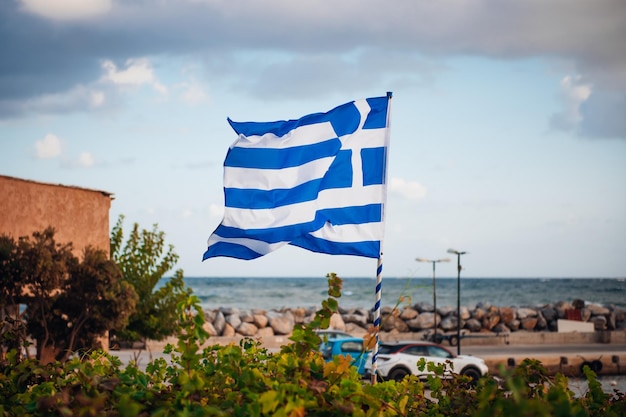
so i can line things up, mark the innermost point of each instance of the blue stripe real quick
(370, 213)
(340, 173)
(368, 249)
(231, 250)
(377, 117)
(346, 215)
(344, 119)
(271, 158)
(265, 199)
(373, 165)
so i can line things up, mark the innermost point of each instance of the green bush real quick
(246, 380)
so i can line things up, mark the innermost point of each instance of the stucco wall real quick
(79, 215)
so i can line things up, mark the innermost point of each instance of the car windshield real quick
(389, 349)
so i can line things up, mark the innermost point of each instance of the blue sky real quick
(508, 135)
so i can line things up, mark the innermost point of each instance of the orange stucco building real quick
(78, 215)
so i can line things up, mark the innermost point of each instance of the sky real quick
(508, 120)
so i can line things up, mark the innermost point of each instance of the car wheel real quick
(397, 374)
(453, 340)
(473, 373)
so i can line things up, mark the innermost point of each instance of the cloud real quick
(193, 93)
(138, 72)
(66, 9)
(48, 147)
(411, 190)
(312, 48)
(85, 160)
(216, 211)
(574, 92)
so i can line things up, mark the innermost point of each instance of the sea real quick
(270, 293)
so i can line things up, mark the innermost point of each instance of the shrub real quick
(246, 380)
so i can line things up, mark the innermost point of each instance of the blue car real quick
(345, 346)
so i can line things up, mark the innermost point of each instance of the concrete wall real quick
(79, 215)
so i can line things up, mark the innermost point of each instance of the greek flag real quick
(317, 182)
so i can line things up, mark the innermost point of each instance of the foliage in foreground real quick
(247, 380)
(144, 259)
(69, 303)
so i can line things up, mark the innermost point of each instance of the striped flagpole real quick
(379, 268)
(379, 291)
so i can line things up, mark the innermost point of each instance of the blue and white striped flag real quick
(317, 182)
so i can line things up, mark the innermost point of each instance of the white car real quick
(397, 360)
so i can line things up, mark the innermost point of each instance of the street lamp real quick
(434, 261)
(458, 299)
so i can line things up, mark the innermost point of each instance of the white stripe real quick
(369, 138)
(256, 245)
(303, 135)
(301, 212)
(271, 179)
(347, 233)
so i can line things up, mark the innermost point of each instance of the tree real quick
(70, 304)
(144, 260)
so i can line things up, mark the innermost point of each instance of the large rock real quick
(542, 323)
(228, 331)
(449, 323)
(446, 311)
(479, 313)
(246, 316)
(524, 312)
(247, 329)
(300, 314)
(597, 310)
(529, 323)
(391, 323)
(219, 322)
(423, 307)
(356, 319)
(336, 322)
(210, 329)
(490, 321)
(355, 329)
(473, 325)
(501, 328)
(514, 325)
(549, 313)
(265, 332)
(260, 320)
(409, 313)
(233, 320)
(281, 323)
(507, 315)
(465, 313)
(424, 321)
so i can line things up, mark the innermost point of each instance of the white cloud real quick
(67, 9)
(48, 147)
(412, 190)
(193, 93)
(216, 211)
(574, 92)
(138, 72)
(85, 160)
(79, 97)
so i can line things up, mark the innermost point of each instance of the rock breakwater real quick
(421, 317)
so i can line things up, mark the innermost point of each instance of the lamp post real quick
(434, 261)
(458, 299)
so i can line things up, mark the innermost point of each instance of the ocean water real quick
(274, 293)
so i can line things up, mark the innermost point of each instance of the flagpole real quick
(379, 267)
(379, 291)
